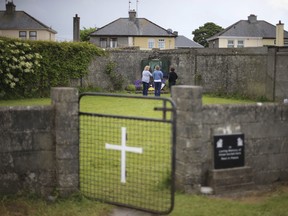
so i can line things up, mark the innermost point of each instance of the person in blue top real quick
(157, 77)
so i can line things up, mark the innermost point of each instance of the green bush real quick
(18, 65)
(130, 88)
(31, 68)
(90, 89)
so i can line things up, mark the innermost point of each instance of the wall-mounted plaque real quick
(228, 151)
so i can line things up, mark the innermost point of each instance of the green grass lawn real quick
(26, 102)
(47, 101)
(271, 204)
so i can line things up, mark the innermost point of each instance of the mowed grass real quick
(207, 99)
(273, 203)
(26, 102)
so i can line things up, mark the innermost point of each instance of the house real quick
(19, 24)
(184, 42)
(133, 32)
(250, 33)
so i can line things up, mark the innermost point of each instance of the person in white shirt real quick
(146, 74)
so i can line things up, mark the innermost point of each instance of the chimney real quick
(280, 34)
(252, 18)
(132, 15)
(76, 28)
(10, 7)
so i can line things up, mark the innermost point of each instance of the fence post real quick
(189, 144)
(65, 102)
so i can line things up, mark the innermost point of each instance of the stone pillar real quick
(65, 102)
(189, 144)
(271, 73)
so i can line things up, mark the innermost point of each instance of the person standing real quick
(146, 74)
(172, 77)
(157, 77)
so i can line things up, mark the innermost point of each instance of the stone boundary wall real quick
(265, 127)
(27, 149)
(39, 145)
(255, 72)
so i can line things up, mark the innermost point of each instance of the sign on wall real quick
(228, 151)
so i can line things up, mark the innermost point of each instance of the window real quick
(151, 43)
(113, 42)
(103, 42)
(33, 35)
(161, 43)
(230, 44)
(23, 35)
(240, 44)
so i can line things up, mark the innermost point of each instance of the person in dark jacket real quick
(172, 77)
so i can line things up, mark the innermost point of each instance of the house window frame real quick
(161, 43)
(32, 35)
(103, 42)
(241, 44)
(113, 42)
(23, 35)
(230, 43)
(151, 43)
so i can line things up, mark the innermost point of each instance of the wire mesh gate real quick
(127, 150)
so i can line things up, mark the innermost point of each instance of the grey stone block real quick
(64, 94)
(229, 180)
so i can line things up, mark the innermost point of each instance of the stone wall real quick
(66, 131)
(254, 72)
(265, 127)
(39, 146)
(27, 152)
(281, 73)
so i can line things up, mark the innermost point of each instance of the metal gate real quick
(127, 150)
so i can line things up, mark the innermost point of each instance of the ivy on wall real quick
(115, 78)
(31, 68)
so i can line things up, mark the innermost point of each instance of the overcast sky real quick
(183, 16)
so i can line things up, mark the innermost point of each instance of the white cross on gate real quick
(123, 148)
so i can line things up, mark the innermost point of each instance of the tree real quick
(85, 33)
(203, 32)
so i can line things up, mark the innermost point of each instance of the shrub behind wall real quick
(31, 68)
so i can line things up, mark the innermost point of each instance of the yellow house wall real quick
(41, 35)
(223, 43)
(248, 42)
(269, 42)
(142, 42)
(253, 42)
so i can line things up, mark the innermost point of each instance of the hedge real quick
(31, 68)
